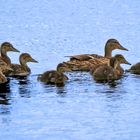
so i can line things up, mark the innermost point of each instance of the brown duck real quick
(22, 69)
(110, 45)
(55, 76)
(6, 47)
(110, 72)
(135, 69)
(86, 61)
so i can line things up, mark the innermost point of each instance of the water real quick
(82, 109)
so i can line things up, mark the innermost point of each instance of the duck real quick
(6, 47)
(56, 77)
(135, 69)
(109, 72)
(83, 62)
(22, 69)
(110, 45)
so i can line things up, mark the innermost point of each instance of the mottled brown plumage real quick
(22, 69)
(85, 61)
(3, 79)
(111, 71)
(55, 76)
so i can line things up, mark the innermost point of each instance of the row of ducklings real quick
(9, 69)
(102, 68)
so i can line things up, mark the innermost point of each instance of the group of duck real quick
(103, 68)
(9, 69)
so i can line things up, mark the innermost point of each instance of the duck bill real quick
(122, 48)
(14, 49)
(126, 62)
(33, 60)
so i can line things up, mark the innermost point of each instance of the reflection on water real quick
(61, 91)
(4, 92)
(5, 88)
(24, 86)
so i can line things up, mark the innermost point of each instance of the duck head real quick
(62, 67)
(111, 45)
(120, 58)
(6, 47)
(117, 60)
(25, 57)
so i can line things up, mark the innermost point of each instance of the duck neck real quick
(5, 57)
(114, 63)
(59, 69)
(108, 52)
(24, 65)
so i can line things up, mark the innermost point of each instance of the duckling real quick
(111, 71)
(110, 45)
(135, 69)
(22, 69)
(55, 76)
(85, 61)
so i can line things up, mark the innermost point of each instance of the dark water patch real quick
(5, 87)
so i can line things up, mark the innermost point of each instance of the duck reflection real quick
(4, 92)
(5, 87)
(58, 89)
(61, 91)
(24, 86)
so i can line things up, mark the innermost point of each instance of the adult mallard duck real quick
(22, 69)
(6, 47)
(135, 69)
(85, 61)
(110, 45)
(55, 76)
(111, 71)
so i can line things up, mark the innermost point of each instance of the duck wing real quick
(19, 70)
(84, 57)
(77, 65)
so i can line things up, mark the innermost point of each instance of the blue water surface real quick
(81, 110)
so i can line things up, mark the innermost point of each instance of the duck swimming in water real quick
(110, 45)
(135, 69)
(6, 47)
(83, 62)
(56, 77)
(22, 69)
(110, 72)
